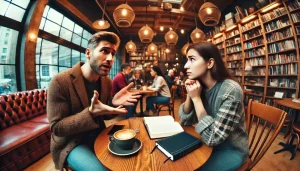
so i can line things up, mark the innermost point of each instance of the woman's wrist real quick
(196, 100)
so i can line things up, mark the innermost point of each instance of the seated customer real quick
(160, 86)
(171, 80)
(214, 103)
(136, 79)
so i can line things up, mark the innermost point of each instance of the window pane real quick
(46, 11)
(65, 34)
(55, 16)
(37, 50)
(7, 79)
(42, 23)
(45, 80)
(64, 56)
(8, 44)
(67, 23)
(15, 12)
(49, 52)
(52, 28)
(75, 57)
(3, 7)
(82, 57)
(21, 3)
(84, 43)
(86, 34)
(78, 30)
(62, 69)
(76, 39)
(37, 73)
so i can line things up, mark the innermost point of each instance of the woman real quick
(160, 86)
(214, 104)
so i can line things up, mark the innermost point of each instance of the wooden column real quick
(28, 45)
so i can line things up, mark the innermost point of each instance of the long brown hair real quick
(208, 50)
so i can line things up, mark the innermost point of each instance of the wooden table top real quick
(288, 103)
(143, 160)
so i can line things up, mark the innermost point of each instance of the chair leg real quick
(289, 138)
(169, 110)
(298, 142)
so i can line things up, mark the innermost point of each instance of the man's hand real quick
(124, 97)
(98, 108)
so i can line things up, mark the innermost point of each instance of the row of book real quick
(251, 34)
(250, 25)
(218, 40)
(234, 56)
(256, 72)
(255, 81)
(234, 64)
(235, 72)
(285, 69)
(295, 17)
(297, 29)
(292, 5)
(255, 52)
(269, 102)
(277, 24)
(220, 46)
(256, 61)
(238, 79)
(281, 46)
(282, 58)
(253, 43)
(230, 42)
(233, 49)
(283, 82)
(254, 98)
(277, 35)
(232, 34)
(273, 14)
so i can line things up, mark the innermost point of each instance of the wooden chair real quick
(169, 105)
(183, 93)
(259, 142)
(296, 131)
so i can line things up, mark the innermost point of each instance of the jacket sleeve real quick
(62, 121)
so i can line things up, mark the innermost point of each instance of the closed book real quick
(179, 145)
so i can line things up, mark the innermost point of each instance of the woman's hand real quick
(193, 88)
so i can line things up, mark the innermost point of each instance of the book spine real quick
(186, 150)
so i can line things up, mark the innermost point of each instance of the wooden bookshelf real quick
(273, 54)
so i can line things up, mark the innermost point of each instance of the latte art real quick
(124, 134)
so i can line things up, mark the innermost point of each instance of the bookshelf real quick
(269, 45)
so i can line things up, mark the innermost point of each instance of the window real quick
(7, 62)
(5, 42)
(45, 71)
(6, 34)
(116, 67)
(13, 9)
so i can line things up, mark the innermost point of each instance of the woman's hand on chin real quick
(193, 88)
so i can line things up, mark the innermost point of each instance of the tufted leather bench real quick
(24, 129)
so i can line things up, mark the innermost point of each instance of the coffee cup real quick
(124, 138)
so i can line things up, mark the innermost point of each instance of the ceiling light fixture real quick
(101, 24)
(124, 15)
(209, 14)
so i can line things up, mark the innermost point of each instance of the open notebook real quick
(162, 126)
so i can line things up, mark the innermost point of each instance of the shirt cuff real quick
(204, 123)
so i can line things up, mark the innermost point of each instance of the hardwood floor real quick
(270, 161)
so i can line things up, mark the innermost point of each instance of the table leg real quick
(141, 106)
(289, 147)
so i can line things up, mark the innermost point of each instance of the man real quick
(170, 78)
(75, 120)
(120, 80)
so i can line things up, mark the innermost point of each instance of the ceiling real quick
(155, 17)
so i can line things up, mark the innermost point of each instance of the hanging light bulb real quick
(130, 46)
(209, 14)
(167, 50)
(146, 32)
(124, 15)
(208, 10)
(101, 24)
(152, 48)
(171, 36)
(124, 12)
(161, 28)
(182, 31)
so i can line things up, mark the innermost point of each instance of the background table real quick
(143, 160)
(142, 93)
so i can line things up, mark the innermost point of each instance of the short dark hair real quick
(158, 71)
(103, 36)
(208, 50)
(124, 66)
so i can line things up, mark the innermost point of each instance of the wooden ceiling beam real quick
(157, 10)
(180, 18)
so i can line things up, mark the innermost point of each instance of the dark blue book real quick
(179, 145)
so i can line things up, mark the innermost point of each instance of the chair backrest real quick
(271, 118)
(173, 92)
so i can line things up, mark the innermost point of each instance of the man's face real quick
(172, 73)
(127, 70)
(101, 58)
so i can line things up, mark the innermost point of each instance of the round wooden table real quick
(142, 93)
(143, 160)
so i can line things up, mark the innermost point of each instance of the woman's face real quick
(196, 66)
(153, 73)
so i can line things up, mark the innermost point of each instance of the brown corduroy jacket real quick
(67, 110)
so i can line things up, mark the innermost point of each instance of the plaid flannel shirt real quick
(229, 121)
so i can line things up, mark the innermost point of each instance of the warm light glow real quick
(182, 31)
(146, 32)
(197, 35)
(208, 10)
(32, 36)
(209, 40)
(270, 7)
(181, 8)
(231, 27)
(101, 22)
(177, 64)
(166, 64)
(152, 47)
(248, 18)
(218, 35)
(124, 12)
(161, 28)
(167, 50)
(176, 58)
(171, 36)
(130, 46)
